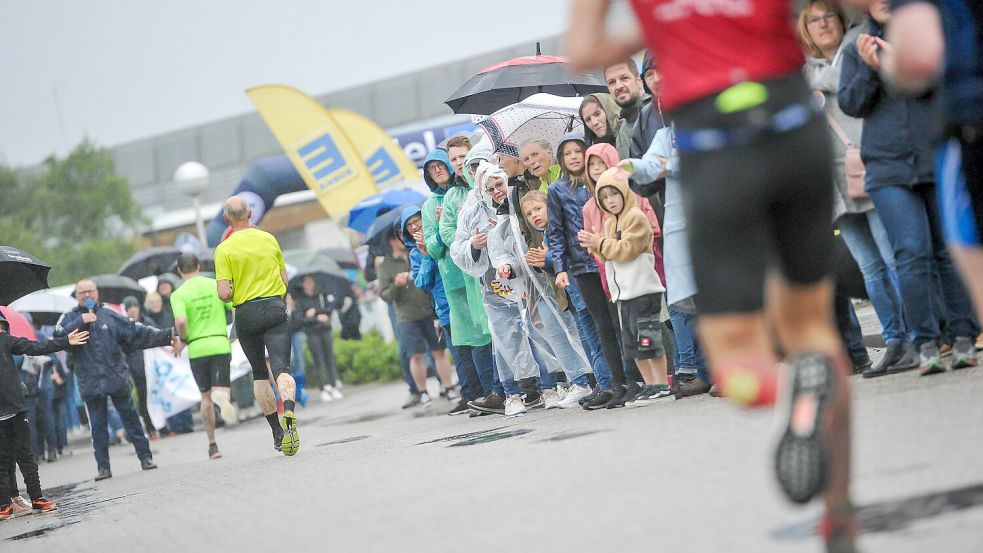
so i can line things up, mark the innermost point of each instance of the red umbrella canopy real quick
(19, 326)
(525, 60)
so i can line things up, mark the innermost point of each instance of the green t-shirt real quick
(197, 301)
(251, 259)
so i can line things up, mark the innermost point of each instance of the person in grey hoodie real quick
(821, 29)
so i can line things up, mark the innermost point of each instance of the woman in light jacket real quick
(821, 29)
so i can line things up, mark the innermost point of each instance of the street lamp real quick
(191, 178)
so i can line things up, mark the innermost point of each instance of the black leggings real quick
(262, 324)
(321, 344)
(602, 311)
(15, 448)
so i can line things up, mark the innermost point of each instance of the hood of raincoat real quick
(408, 212)
(611, 111)
(648, 62)
(486, 171)
(615, 178)
(441, 156)
(570, 137)
(606, 152)
(482, 151)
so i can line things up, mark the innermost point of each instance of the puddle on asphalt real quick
(572, 434)
(467, 436)
(898, 514)
(75, 504)
(493, 437)
(343, 441)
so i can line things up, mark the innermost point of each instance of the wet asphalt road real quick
(691, 475)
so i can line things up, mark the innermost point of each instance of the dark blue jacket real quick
(896, 145)
(423, 268)
(11, 389)
(99, 364)
(566, 218)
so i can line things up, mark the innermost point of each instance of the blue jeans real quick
(484, 363)
(688, 358)
(404, 360)
(99, 425)
(556, 334)
(870, 246)
(467, 374)
(297, 361)
(589, 337)
(911, 217)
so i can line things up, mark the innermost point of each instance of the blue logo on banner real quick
(324, 160)
(382, 166)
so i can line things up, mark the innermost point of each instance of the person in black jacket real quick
(135, 363)
(15, 433)
(102, 374)
(312, 311)
(898, 154)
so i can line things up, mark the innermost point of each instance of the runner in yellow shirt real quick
(250, 273)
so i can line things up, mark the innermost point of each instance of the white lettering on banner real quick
(675, 10)
(171, 386)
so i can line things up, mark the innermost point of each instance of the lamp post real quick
(191, 178)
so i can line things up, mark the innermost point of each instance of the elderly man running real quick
(250, 273)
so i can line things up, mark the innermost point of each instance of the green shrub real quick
(370, 359)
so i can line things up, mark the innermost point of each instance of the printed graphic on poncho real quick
(501, 289)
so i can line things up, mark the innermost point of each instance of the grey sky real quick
(128, 69)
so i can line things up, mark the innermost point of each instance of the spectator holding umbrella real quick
(101, 372)
(312, 312)
(15, 433)
(135, 364)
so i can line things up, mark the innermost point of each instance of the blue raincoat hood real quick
(408, 212)
(441, 156)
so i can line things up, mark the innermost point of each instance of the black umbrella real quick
(20, 274)
(514, 80)
(206, 262)
(113, 288)
(382, 228)
(149, 262)
(327, 283)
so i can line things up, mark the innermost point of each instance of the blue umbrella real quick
(365, 212)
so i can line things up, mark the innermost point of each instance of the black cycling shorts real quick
(759, 205)
(211, 371)
(262, 327)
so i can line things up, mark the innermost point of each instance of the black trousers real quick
(263, 328)
(321, 344)
(606, 320)
(140, 383)
(15, 449)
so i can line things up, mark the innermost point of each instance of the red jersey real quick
(705, 46)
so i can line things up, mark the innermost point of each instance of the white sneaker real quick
(225, 407)
(21, 507)
(335, 392)
(339, 385)
(325, 395)
(425, 400)
(453, 395)
(514, 406)
(574, 394)
(551, 398)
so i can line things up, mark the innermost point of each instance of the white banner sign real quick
(171, 387)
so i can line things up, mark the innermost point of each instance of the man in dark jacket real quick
(649, 121)
(897, 151)
(15, 432)
(625, 86)
(312, 312)
(101, 372)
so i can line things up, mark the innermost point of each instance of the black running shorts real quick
(757, 206)
(212, 371)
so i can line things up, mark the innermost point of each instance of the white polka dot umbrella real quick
(540, 116)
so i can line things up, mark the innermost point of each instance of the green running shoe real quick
(291, 439)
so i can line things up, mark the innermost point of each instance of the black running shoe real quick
(278, 441)
(617, 398)
(460, 409)
(802, 455)
(589, 397)
(600, 401)
(631, 392)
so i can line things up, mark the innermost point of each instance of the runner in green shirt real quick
(200, 318)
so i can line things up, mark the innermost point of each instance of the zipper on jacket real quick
(614, 274)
